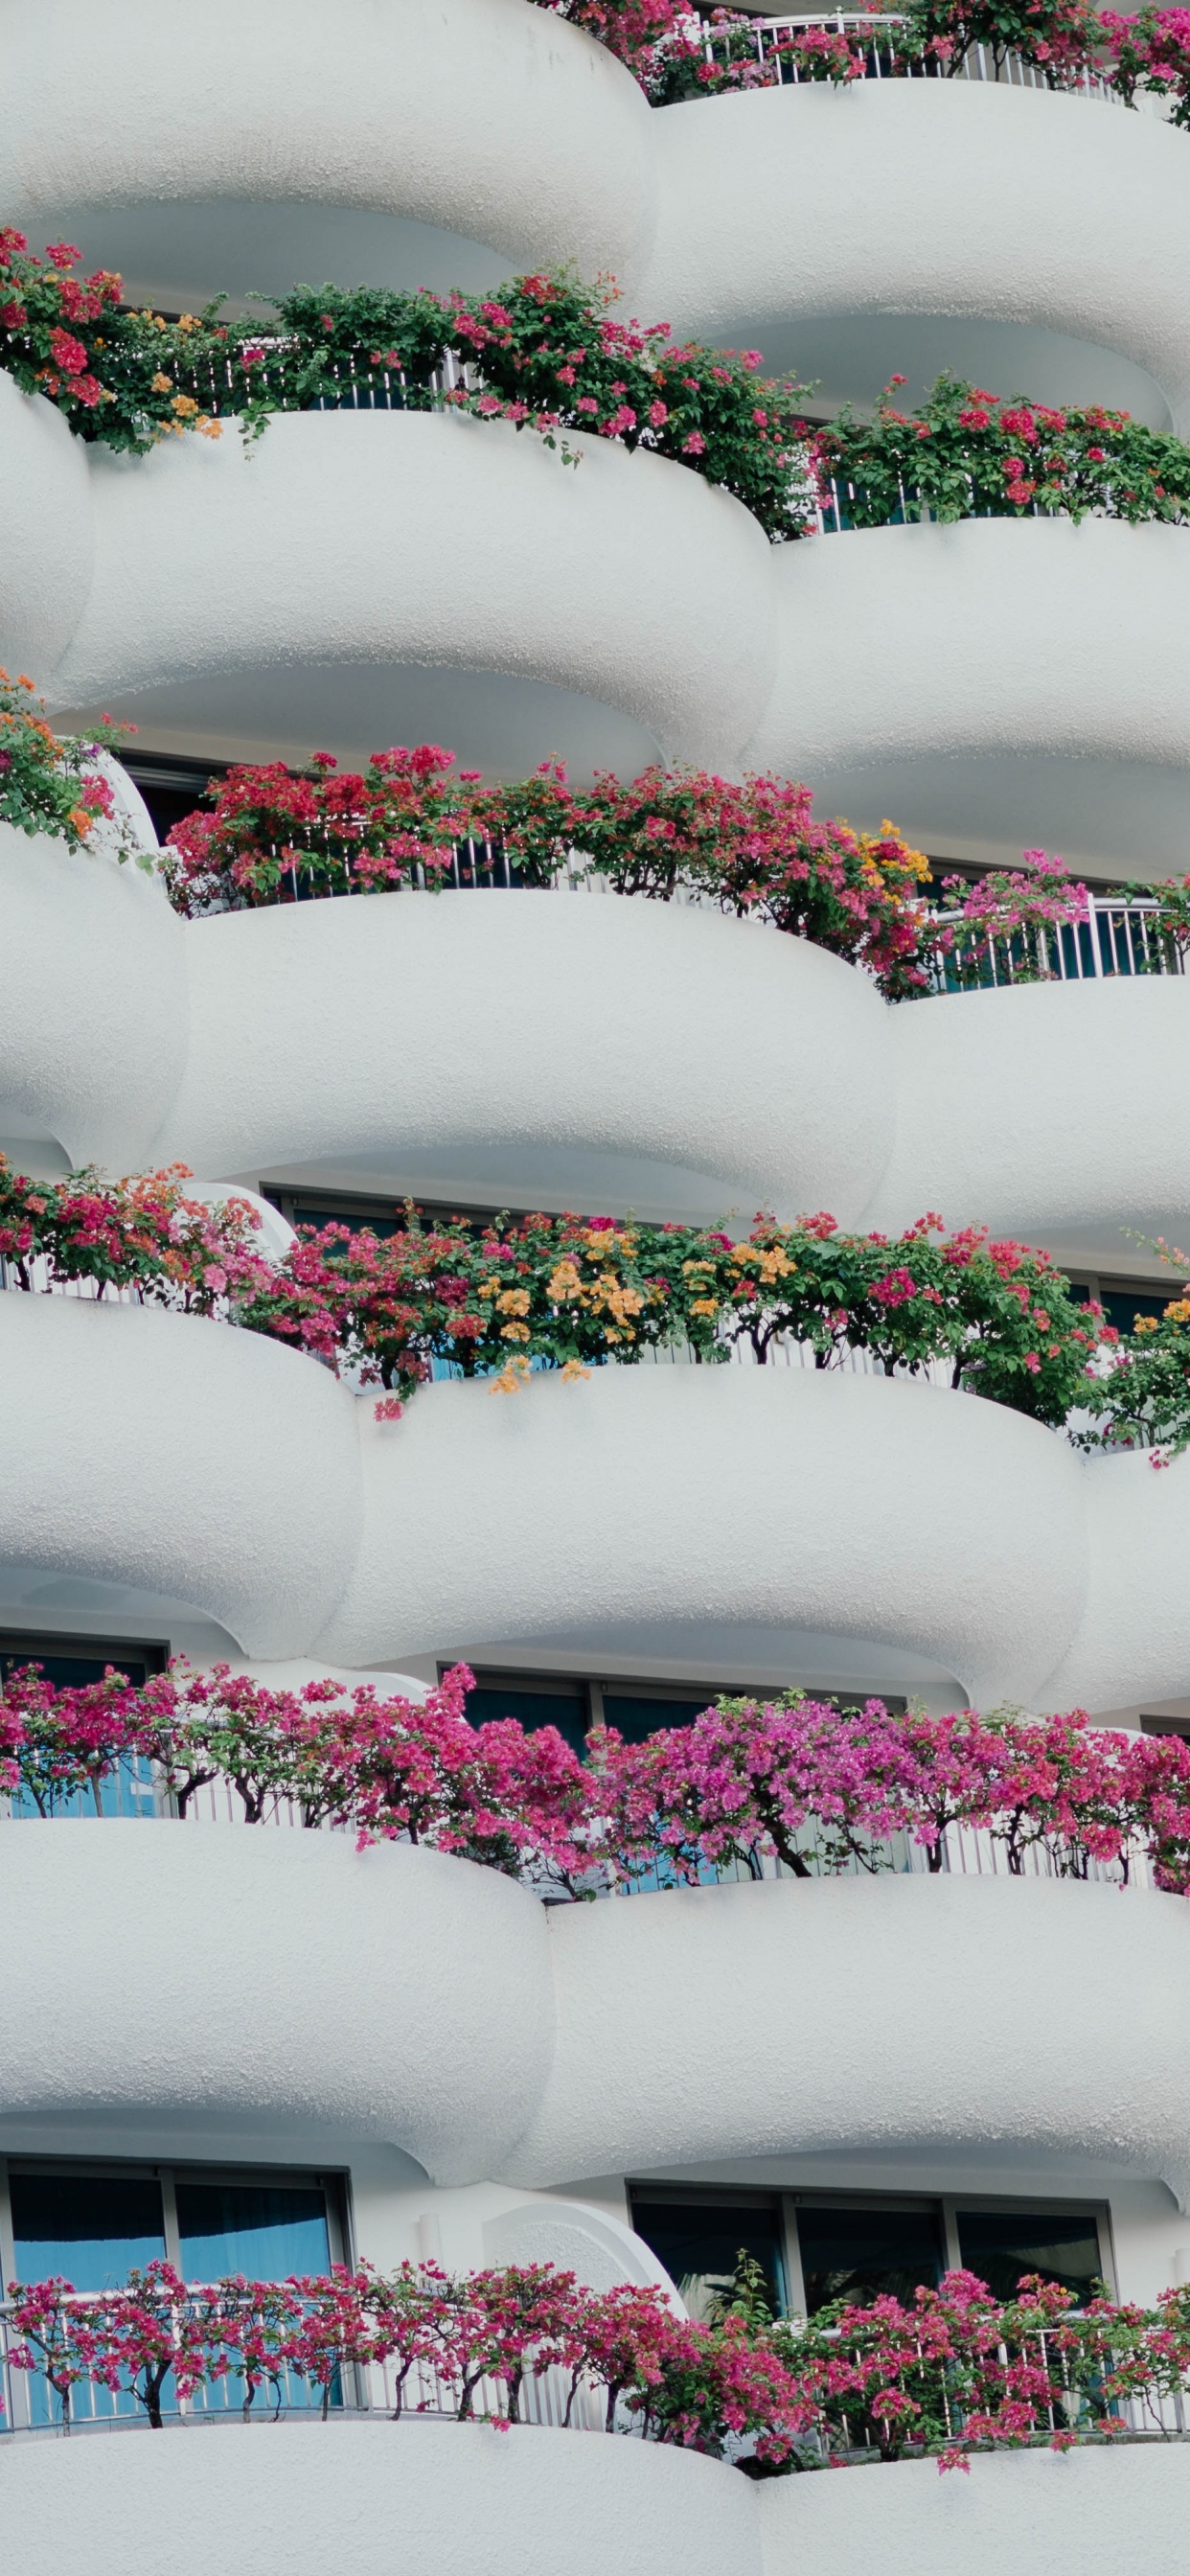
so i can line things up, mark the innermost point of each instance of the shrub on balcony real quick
(47, 781)
(1151, 52)
(752, 848)
(966, 453)
(545, 352)
(747, 1784)
(955, 2372)
(567, 1292)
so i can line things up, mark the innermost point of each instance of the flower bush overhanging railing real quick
(677, 53)
(790, 1786)
(956, 2373)
(543, 352)
(573, 1293)
(546, 353)
(566, 1292)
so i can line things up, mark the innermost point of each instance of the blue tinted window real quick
(265, 2230)
(89, 2229)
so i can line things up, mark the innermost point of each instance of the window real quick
(574, 1703)
(265, 2230)
(817, 2247)
(90, 2229)
(1001, 2245)
(92, 2226)
(1121, 1302)
(535, 1700)
(70, 1662)
(864, 2254)
(700, 2236)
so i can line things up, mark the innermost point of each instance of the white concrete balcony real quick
(361, 578)
(901, 227)
(719, 1066)
(418, 2494)
(726, 1520)
(365, 576)
(394, 1996)
(408, 147)
(996, 685)
(373, 1035)
(399, 1998)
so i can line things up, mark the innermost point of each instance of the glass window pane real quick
(636, 1715)
(565, 1709)
(865, 2254)
(265, 2230)
(699, 2243)
(1003, 2244)
(87, 2228)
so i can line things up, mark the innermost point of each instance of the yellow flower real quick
(185, 406)
(694, 1269)
(1147, 1323)
(1177, 1313)
(515, 1301)
(574, 1368)
(704, 1305)
(515, 1333)
(209, 428)
(490, 1288)
(564, 1282)
(187, 322)
(162, 384)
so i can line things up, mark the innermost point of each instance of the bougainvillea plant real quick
(752, 848)
(567, 1292)
(1151, 52)
(789, 1781)
(968, 453)
(725, 52)
(112, 372)
(1009, 923)
(955, 2372)
(49, 782)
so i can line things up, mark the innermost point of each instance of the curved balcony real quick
(201, 1464)
(268, 1041)
(995, 685)
(434, 2038)
(493, 2038)
(469, 2495)
(725, 1518)
(375, 1035)
(408, 146)
(401, 2495)
(1015, 236)
(748, 1988)
(400, 576)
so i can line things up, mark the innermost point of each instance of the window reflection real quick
(699, 2242)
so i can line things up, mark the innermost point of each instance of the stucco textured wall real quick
(394, 1994)
(390, 2500)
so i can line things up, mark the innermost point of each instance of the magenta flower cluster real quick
(796, 1781)
(955, 2372)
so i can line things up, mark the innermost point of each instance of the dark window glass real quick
(265, 2230)
(1121, 1306)
(865, 2254)
(1003, 2244)
(129, 1789)
(568, 1710)
(88, 2228)
(636, 1715)
(699, 2243)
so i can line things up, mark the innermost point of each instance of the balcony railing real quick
(1118, 938)
(882, 60)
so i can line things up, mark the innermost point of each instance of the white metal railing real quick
(547, 2397)
(1118, 938)
(874, 31)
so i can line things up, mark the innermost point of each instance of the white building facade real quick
(226, 2042)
